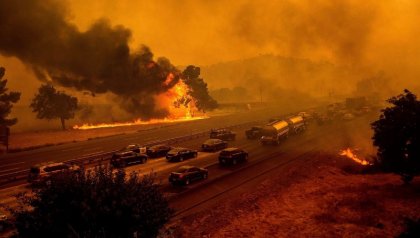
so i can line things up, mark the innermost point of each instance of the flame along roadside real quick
(349, 153)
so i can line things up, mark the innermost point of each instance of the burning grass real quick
(351, 154)
(137, 123)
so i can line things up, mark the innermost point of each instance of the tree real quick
(101, 203)
(6, 101)
(50, 103)
(397, 136)
(199, 90)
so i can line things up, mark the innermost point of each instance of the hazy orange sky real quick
(367, 35)
(206, 32)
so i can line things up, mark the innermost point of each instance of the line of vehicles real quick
(277, 129)
(272, 133)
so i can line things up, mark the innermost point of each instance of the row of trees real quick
(48, 103)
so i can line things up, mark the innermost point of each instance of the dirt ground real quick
(328, 197)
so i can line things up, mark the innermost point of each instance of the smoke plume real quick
(97, 60)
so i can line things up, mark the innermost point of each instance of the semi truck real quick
(297, 124)
(278, 130)
(275, 132)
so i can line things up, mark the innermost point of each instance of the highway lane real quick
(14, 162)
(263, 164)
(25, 159)
(161, 168)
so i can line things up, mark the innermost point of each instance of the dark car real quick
(214, 145)
(187, 174)
(158, 151)
(232, 156)
(222, 134)
(254, 132)
(180, 154)
(39, 172)
(125, 158)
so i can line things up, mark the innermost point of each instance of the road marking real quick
(7, 165)
(91, 154)
(76, 148)
(94, 148)
(7, 170)
(15, 172)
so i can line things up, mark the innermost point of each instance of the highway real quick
(14, 162)
(228, 182)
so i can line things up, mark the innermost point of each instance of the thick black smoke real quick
(98, 60)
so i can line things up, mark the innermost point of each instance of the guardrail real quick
(102, 157)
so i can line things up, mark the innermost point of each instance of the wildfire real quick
(351, 155)
(180, 105)
(136, 123)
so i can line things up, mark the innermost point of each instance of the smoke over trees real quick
(98, 60)
(199, 90)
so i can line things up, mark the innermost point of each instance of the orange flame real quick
(176, 100)
(136, 123)
(351, 155)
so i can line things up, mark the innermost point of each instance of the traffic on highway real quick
(194, 163)
(138, 155)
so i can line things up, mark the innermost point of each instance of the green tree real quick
(50, 103)
(397, 136)
(100, 203)
(6, 101)
(199, 90)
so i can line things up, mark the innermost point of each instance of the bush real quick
(102, 203)
(397, 136)
(412, 229)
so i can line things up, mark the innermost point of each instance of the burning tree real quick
(101, 203)
(397, 136)
(6, 101)
(50, 103)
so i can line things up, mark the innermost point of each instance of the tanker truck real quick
(275, 132)
(296, 124)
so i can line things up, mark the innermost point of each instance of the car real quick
(222, 134)
(4, 222)
(232, 156)
(180, 154)
(307, 116)
(158, 151)
(135, 148)
(348, 116)
(254, 132)
(125, 158)
(39, 172)
(187, 174)
(214, 145)
(3, 217)
(323, 119)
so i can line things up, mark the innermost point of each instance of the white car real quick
(348, 116)
(305, 115)
(38, 172)
(3, 217)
